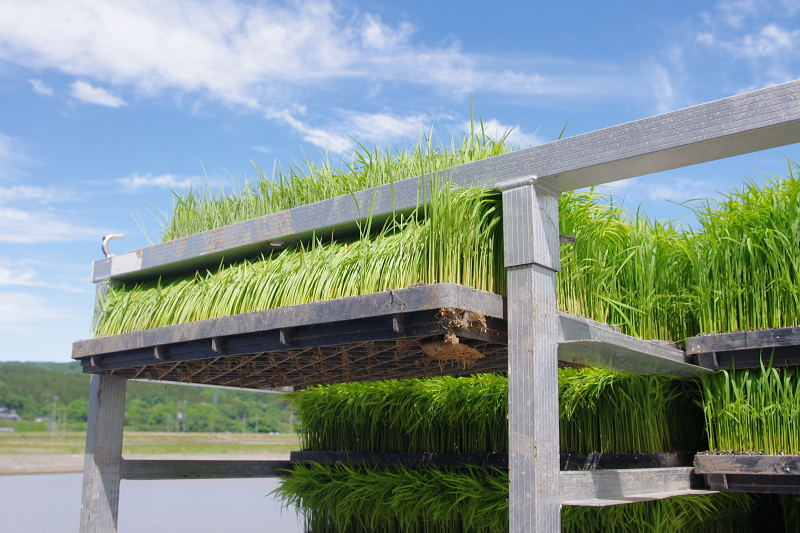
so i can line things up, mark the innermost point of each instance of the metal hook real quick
(112, 237)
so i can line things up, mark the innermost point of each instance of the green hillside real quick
(29, 388)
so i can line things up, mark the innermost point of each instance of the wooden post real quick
(532, 258)
(101, 469)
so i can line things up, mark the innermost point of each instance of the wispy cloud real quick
(33, 227)
(171, 181)
(513, 134)
(377, 127)
(245, 54)
(40, 88)
(385, 126)
(85, 92)
(326, 139)
(664, 188)
(24, 313)
(12, 157)
(42, 195)
(22, 273)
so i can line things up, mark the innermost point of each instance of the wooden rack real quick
(219, 351)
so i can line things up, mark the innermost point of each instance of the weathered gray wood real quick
(541, 243)
(202, 469)
(590, 343)
(774, 465)
(101, 472)
(743, 340)
(533, 331)
(598, 488)
(421, 298)
(741, 124)
(276, 390)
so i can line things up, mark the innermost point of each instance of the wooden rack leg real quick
(530, 226)
(101, 470)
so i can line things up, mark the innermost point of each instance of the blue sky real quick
(106, 106)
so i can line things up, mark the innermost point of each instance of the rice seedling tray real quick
(571, 461)
(420, 331)
(750, 472)
(746, 349)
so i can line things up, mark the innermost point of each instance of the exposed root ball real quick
(456, 318)
(451, 349)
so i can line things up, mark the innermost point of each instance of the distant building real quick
(8, 414)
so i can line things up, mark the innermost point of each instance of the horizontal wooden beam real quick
(201, 469)
(594, 488)
(591, 343)
(599, 488)
(749, 122)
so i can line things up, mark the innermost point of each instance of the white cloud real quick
(12, 156)
(680, 189)
(26, 313)
(662, 90)
(368, 127)
(386, 127)
(94, 95)
(22, 273)
(246, 54)
(38, 194)
(137, 181)
(40, 88)
(33, 227)
(769, 41)
(380, 127)
(734, 12)
(514, 134)
(316, 136)
(662, 188)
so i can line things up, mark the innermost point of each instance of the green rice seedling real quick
(611, 412)
(753, 410)
(790, 505)
(444, 414)
(629, 272)
(623, 272)
(307, 182)
(745, 270)
(389, 500)
(455, 239)
(341, 499)
(601, 411)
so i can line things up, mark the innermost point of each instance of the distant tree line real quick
(28, 388)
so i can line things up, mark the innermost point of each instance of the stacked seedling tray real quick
(412, 278)
(753, 410)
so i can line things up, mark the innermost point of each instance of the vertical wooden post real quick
(101, 468)
(532, 258)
